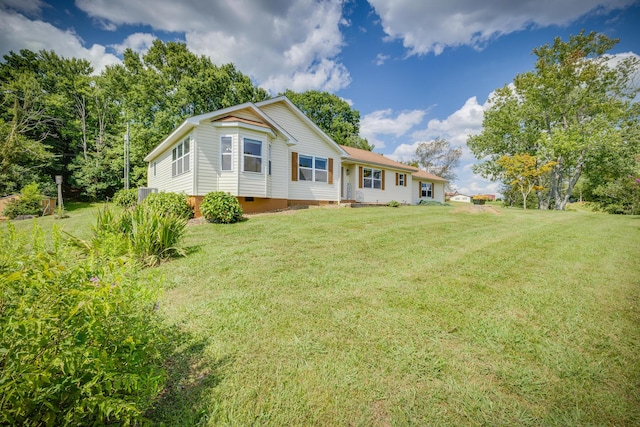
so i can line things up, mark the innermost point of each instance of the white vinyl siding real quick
(163, 178)
(309, 143)
(208, 152)
(437, 190)
(369, 184)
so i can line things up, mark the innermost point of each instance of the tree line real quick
(58, 117)
(567, 130)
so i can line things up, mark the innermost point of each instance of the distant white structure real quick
(461, 198)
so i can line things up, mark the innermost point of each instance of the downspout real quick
(194, 143)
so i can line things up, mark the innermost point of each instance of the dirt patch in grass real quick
(474, 209)
(380, 414)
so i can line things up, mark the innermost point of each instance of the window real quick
(252, 155)
(180, 158)
(269, 159)
(371, 178)
(401, 179)
(312, 168)
(427, 190)
(226, 153)
(320, 170)
(154, 169)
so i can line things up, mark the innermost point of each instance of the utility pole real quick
(126, 157)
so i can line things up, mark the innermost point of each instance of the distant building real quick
(460, 198)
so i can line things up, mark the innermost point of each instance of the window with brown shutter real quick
(294, 166)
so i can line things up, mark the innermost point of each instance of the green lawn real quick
(409, 316)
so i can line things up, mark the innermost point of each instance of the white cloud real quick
(382, 122)
(19, 32)
(426, 26)
(285, 44)
(29, 7)
(456, 128)
(381, 59)
(138, 42)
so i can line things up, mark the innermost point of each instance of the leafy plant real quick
(221, 207)
(126, 198)
(29, 202)
(146, 235)
(79, 342)
(393, 204)
(173, 204)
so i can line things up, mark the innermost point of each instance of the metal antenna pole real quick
(126, 158)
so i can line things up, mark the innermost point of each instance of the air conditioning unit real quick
(143, 192)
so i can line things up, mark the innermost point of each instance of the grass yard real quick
(441, 316)
(409, 316)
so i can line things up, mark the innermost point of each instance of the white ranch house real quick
(271, 156)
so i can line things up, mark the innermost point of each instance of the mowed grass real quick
(408, 316)
(442, 316)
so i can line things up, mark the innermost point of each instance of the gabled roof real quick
(283, 99)
(224, 114)
(426, 175)
(359, 155)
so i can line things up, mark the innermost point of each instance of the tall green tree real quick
(438, 157)
(169, 83)
(572, 106)
(331, 114)
(25, 126)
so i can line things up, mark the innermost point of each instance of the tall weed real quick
(79, 342)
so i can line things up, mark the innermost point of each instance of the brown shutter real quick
(383, 179)
(360, 177)
(419, 189)
(397, 174)
(433, 191)
(330, 171)
(405, 179)
(294, 166)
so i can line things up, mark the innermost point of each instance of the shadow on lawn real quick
(190, 378)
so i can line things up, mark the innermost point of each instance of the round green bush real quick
(29, 202)
(169, 204)
(126, 198)
(221, 207)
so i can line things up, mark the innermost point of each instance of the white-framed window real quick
(226, 153)
(252, 150)
(312, 168)
(427, 190)
(371, 178)
(269, 159)
(180, 157)
(320, 170)
(154, 168)
(401, 179)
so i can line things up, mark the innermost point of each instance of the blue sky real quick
(415, 69)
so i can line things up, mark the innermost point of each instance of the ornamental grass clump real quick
(221, 207)
(80, 343)
(141, 233)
